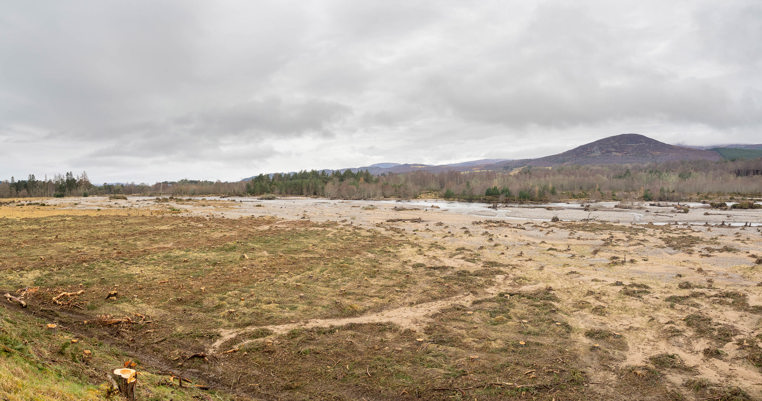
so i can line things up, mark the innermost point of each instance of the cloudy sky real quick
(150, 90)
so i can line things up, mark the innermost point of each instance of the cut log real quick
(200, 355)
(17, 300)
(180, 380)
(109, 322)
(125, 380)
(57, 298)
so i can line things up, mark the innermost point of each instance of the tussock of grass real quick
(683, 243)
(705, 327)
(668, 361)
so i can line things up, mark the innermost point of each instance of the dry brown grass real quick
(451, 309)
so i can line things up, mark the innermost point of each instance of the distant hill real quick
(620, 149)
(384, 165)
(474, 165)
(617, 149)
(398, 168)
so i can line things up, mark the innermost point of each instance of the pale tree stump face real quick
(126, 380)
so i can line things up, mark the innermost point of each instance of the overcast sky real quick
(151, 90)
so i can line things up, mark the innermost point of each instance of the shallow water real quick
(566, 211)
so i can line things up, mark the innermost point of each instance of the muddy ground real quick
(319, 299)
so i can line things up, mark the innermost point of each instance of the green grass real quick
(37, 363)
(190, 277)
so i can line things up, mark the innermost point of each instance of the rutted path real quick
(410, 317)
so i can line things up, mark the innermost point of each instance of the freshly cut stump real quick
(126, 380)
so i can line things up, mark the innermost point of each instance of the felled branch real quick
(17, 300)
(107, 320)
(57, 298)
(200, 355)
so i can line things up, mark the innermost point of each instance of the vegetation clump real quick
(746, 205)
(668, 361)
(635, 290)
(705, 327)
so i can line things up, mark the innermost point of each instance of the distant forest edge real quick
(738, 154)
(668, 181)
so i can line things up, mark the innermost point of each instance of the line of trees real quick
(60, 185)
(670, 181)
(345, 183)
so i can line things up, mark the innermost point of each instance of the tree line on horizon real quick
(59, 186)
(671, 181)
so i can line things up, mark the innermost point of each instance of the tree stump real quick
(125, 380)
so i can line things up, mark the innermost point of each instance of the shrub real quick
(746, 205)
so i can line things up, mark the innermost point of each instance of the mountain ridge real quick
(621, 149)
(628, 148)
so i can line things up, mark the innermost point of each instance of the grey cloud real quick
(733, 32)
(269, 115)
(568, 69)
(554, 104)
(73, 66)
(206, 134)
(251, 87)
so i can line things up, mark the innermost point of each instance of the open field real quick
(318, 299)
